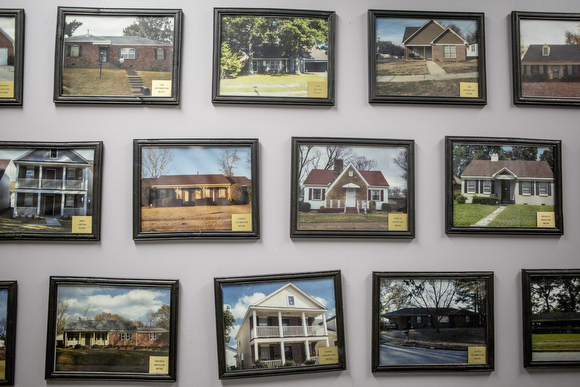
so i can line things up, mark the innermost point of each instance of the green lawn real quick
(9, 225)
(261, 83)
(561, 341)
(79, 81)
(446, 88)
(469, 214)
(2, 369)
(519, 215)
(341, 218)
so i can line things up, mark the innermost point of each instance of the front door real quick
(87, 339)
(49, 202)
(350, 197)
(505, 190)
(428, 53)
(104, 54)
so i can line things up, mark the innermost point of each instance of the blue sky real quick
(240, 297)
(129, 302)
(382, 155)
(393, 29)
(194, 159)
(3, 302)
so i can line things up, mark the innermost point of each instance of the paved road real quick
(397, 355)
(555, 356)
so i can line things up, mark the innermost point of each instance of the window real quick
(160, 53)
(545, 51)
(128, 53)
(70, 174)
(526, 188)
(467, 319)
(487, 187)
(376, 195)
(541, 69)
(569, 70)
(316, 194)
(449, 52)
(28, 200)
(528, 69)
(69, 200)
(418, 319)
(443, 319)
(53, 154)
(152, 336)
(290, 300)
(30, 173)
(350, 173)
(124, 336)
(72, 336)
(75, 51)
(471, 186)
(543, 188)
(265, 352)
(222, 193)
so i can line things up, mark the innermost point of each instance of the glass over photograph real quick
(7, 58)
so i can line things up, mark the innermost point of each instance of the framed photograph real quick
(546, 58)
(427, 57)
(8, 299)
(432, 321)
(503, 186)
(273, 56)
(196, 189)
(11, 56)
(117, 56)
(352, 187)
(551, 318)
(279, 324)
(50, 190)
(105, 328)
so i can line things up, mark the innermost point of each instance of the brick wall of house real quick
(146, 59)
(339, 193)
(460, 53)
(5, 43)
(162, 340)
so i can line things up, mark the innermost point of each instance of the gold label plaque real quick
(241, 222)
(469, 89)
(397, 222)
(159, 364)
(161, 88)
(82, 224)
(317, 89)
(328, 355)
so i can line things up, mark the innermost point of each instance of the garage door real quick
(3, 56)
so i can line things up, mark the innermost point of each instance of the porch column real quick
(84, 205)
(307, 344)
(324, 324)
(256, 354)
(304, 328)
(40, 177)
(38, 205)
(62, 204)
(280, 329)
(254, 319)
(283, 353)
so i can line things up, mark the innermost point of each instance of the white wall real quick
(195, 264)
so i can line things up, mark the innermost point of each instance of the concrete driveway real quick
(6, 73)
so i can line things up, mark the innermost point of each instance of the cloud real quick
(239, 310)
(321, 300)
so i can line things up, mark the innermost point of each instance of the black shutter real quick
(382, 195)
(323, 194)
(68, 48)
(465, 182)
(368, 194)
(549, 188)
(537, 187)
(309, 193)
(532, 188)
(493, 187)
(164, 54)
(520, 188)
(80, 51)
(481, 186)
(136, 53)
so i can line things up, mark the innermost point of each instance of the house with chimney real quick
(112, 333)
(512, 181)
(551, 62)
(346, 190)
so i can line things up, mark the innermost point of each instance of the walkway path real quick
(485, 221)
(50, 221)
(434, 68)
(135, 81)
(6, 73)
(436, 73)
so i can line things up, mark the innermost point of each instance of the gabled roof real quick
(424, 311)
(213, 179)
(424, 34)
(291, 288)
(64, 156)
(558, 53)
(7, 36)
(519, 168)
(449, 37)
(326, 177)
(99, 325)
(3, 166)
(556, 316)
(115, 40)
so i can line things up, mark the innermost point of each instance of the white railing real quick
(315, 331)
(263, 331)
(27, 183)
(19, 211)
(293, 331)
(51, 184)
(273, 363)
(74, 184)
(73, 211)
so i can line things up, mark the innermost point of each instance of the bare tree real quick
(61, 315)
(156, 162)
(432, 295)
(228, 161)
(363, 164)
(401, 161)
(338, 152)
(309, 157)
(3, 326)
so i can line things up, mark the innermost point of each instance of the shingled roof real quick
(558, 53)
(211, 179)
(116, 40)
(326, 177)
(520, 168)
(99, 325)
(66, 156)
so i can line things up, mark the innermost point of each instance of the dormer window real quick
(545, 50)
(350, 173)
(290, 300)
(53, 154)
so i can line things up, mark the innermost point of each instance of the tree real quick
(308, 156)
(542, 295)
(298, 35)
(337, 152)
(431, 295)
(163, 317)
(363, 164)
(243, 33)
(548, 155)
(571, 37)
(228, 161)
(397, 192)
(472, 37)
(156, 162)
(155, 28)
(105, 316)
(62, 315)
(71, 27)
(392, 296)
(521, 153)
(3, 326)
(229, 320)
(472, 294)
(230, 62)
(401, 161)
(568, 296)
(388, 47)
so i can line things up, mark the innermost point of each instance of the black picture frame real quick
(316, 63)
(544, 335)
(11, 82)
(8, 303)
(422, 39)
(305, 299)
(538, 79)
(100, 338)
(512, 174)
(380, 206)
(53, 185)
(452, 332)
(201, 186)
(123, 69)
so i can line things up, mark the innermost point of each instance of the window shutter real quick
(309, 193)
(323, 194)
(382, 195)
(532, 188)
(465, 186)
(537, 187)
(520, 185)
(481, 186)
(164, 54)
(476, 186)
(369, 194)
(68, 48)
(136, 53)
(119, 53)
(549, 188)
(80, 50)
(493, 187)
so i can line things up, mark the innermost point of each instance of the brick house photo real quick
(6, 49)
(433, 42)
(113, 333)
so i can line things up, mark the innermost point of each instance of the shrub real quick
(95, 346)
(304, 207)
(78, 346)
(321, 209)
(310, 362)
(372, 205)
(289, 363)
(461, 199)
(260, 364)
(492, 201)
